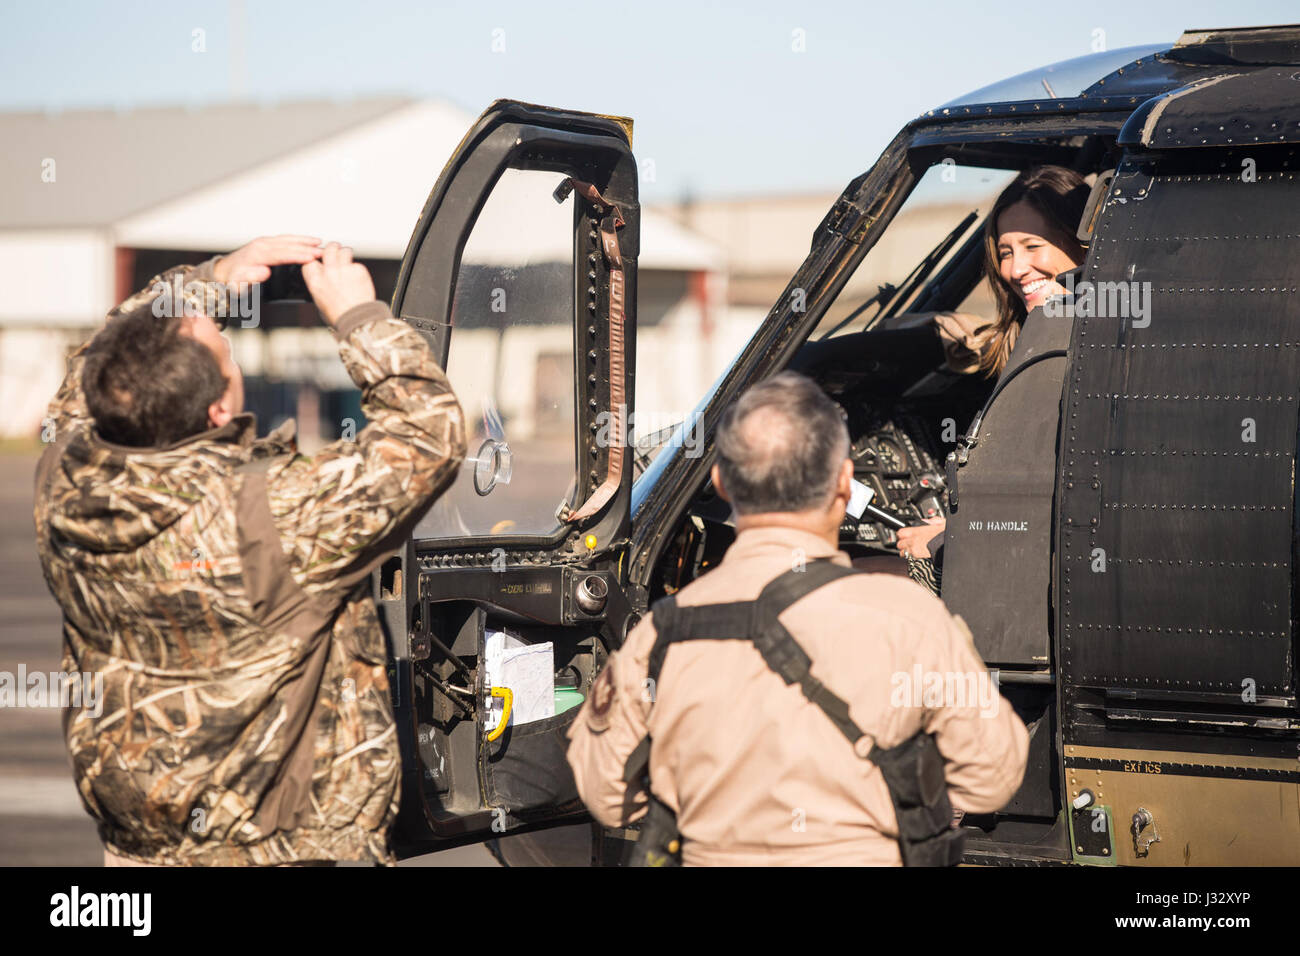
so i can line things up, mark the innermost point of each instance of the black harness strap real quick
(737, 620)
(783, 653)
(712, 622)
(749, 621)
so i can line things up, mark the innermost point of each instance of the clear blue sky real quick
(723, 103)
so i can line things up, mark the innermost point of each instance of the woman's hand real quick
(915, 541)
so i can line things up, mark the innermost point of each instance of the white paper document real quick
(528, 670)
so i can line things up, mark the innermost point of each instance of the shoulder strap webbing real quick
(784, 654)
(756, 621)
(741, 620)
(714, 622)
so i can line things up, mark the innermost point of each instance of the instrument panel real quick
(904, 476)
(894, 454)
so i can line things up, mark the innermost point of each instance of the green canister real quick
(566, 698)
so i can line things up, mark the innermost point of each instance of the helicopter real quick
(1126, 562)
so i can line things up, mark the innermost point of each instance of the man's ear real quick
(844, 484)
(221, 411)
(716, 474)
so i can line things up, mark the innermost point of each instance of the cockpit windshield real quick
(924, 234)
(1064, 80)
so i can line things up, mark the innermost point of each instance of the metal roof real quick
(108, 165)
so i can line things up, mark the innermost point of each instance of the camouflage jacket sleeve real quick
(342, 511)
(69, 406)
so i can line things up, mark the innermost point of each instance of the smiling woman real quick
(1029, 240)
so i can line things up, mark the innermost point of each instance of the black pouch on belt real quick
(913, 772)
(659, 843)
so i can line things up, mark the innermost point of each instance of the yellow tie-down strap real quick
(507, 700)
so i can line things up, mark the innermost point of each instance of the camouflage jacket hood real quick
(122, 498)
(219, 589)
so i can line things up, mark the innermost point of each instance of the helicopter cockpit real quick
(878, 353)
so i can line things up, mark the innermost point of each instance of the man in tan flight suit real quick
(756, 773)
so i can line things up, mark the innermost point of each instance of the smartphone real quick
(285, 285)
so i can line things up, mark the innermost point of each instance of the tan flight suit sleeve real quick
(342, 511)
(984, 743)
(608, 728)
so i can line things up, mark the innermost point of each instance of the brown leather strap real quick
(611, 221)
(280, 604)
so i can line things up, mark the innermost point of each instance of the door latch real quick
(1144, 831)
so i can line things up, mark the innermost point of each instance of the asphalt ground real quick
(42, 821)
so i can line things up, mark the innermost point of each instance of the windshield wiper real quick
(889, 298)
(882, 298)
(644, 447)
(926, 265)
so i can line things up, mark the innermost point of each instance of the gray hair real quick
(781, 446)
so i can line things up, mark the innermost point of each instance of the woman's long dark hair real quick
(1060, 195)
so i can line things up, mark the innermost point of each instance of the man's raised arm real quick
(342, 511)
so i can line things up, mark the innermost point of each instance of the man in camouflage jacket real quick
(219, 584)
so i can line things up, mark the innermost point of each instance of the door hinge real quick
(850, 221)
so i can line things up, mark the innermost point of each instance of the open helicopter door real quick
(506, 601)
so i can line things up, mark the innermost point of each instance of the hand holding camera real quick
(337, 283)
(253, 262)
(291, 268)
